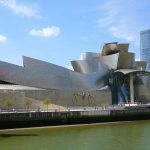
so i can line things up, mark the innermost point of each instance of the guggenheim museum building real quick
(109, 77)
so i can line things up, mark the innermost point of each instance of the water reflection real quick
(16, 135)
(119, 136)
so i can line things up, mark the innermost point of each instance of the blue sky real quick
(58, 31)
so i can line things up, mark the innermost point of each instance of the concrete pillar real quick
(131, 89)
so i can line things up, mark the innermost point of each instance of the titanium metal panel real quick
(89, 66)
(126, 60)
(39, 66)
(76, 80)
(45, 76)
(123, 47)
(109, 48)
(110, 60)
(128, 71)
(114, 61)
(89, 56)
(112, 48)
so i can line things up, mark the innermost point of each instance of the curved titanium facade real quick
(112, 48)
(89, 66)
(89, 56)
(97, 79)
(119, 60)
(48, 76)
(103, 63)
(126, 60)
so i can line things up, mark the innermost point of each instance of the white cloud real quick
(2, 38)
(118, 33)
(110, 13)
(52, 31)
(121, 19)
(18, 8)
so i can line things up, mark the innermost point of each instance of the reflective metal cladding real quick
(93, 72)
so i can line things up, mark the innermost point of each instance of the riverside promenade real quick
(78, 115)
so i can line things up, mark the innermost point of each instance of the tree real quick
(8, 103)
(27, 104)
(46, 102)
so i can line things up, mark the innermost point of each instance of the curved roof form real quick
(132, 71)
(90, 73)
(112, 48)
(40, 74)
(89, 56)
(89, 66)
(92, 63)
(109, 48)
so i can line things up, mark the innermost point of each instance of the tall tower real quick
(145, 47)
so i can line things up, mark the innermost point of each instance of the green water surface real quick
(118, 136)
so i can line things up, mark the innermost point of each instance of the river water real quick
(110, 136)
